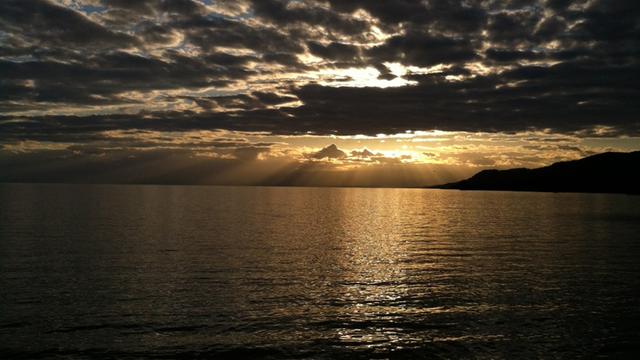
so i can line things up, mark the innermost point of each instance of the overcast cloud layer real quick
(290, 67)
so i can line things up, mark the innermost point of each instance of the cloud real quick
(42, 23)
(422, 49)
(148, 7)
(81, 67)
(285, 13)
(334, 51)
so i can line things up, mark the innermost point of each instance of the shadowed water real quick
(229, 272)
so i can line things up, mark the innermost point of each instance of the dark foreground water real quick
(224, 272)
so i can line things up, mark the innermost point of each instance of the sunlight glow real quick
(358, 77)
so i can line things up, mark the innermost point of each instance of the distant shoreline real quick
(609, 173)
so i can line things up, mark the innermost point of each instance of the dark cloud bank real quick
(564, 65)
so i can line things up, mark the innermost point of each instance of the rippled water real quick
(217, 272)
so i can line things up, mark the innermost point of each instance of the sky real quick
(335, 92)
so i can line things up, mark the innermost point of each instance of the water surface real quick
(96, 271)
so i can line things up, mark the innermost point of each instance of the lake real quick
(102, 271)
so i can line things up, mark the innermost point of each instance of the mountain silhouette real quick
(609, 172)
